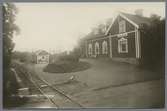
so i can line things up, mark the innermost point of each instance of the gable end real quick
(124, 17)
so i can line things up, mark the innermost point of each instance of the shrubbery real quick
(11, 98)
(66, 63)
(153, 44)
(66, 66)
(10, 85)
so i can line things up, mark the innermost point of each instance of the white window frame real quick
(97, 48)
(104, 47)
(90, 49)
(120, 42)
(122, 26)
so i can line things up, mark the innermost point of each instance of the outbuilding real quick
(42, 57)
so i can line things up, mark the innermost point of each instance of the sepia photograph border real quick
(86, 109)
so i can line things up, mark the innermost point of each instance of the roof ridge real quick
(42, 51)
(137, 18)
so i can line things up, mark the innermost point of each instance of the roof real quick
(137, 19)
(42, 52)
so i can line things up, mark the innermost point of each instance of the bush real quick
(10, 87)
(66, 67)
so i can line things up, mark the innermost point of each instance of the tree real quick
(139, 12)
(9, 28)
(26, 57)
(101, 28)
(154, 43)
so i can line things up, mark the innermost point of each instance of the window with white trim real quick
(104, 47)
(123, 45)
(97, 48)
(122, 26)
(90, 49)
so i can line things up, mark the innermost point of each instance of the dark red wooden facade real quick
(132, 34)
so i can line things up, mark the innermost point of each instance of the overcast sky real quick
(58, 26)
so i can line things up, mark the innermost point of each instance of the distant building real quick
(42, 57)
(122, 40)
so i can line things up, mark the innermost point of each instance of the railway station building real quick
(122, 40)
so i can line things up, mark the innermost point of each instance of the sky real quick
(57, 27)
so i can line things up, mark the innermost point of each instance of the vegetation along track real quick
(57, 97)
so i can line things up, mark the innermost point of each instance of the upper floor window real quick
(122, 26)
(97, 48)
(122, 45)
(43, 57)
(104, 47)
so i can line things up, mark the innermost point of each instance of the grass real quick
(66, 67)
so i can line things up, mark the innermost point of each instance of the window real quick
(122, 45)
(97, 48)
(122, 26)
(43, 57)
(104, 47)
(90, 49)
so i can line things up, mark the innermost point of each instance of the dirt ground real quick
(110, 84)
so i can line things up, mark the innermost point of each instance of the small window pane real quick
(122, 26)
(123, 47)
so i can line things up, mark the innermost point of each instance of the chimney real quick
(139, 12)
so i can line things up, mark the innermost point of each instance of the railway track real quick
(56, 97)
